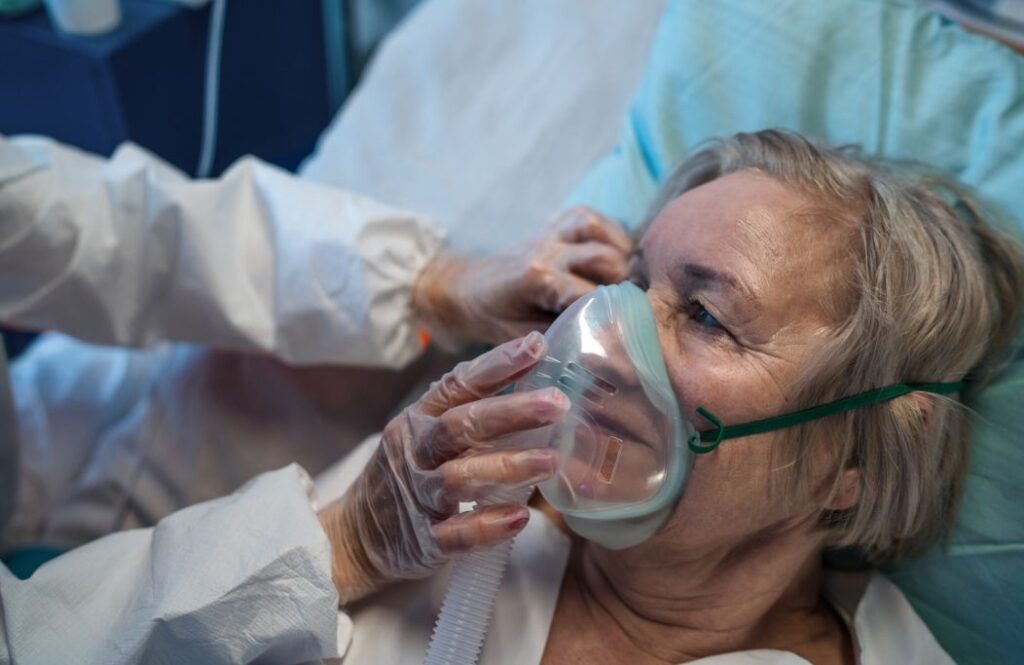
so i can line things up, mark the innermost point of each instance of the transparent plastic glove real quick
(497, 298)
(400, 519)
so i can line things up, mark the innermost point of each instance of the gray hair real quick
(925, 291)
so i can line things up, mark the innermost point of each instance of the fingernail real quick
(517, 525)
(515, 519)
(532, 344)
(557, 398)
(552, 405)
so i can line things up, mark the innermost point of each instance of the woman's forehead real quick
(744, 212)
(748, 225)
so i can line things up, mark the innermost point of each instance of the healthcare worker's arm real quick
(130, 251)
(241, 579)
(257, 575)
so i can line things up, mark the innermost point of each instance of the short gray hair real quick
(930, 293)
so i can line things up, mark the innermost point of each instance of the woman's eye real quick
(703, 317)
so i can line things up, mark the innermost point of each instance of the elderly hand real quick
(400, 519)
(498, 298)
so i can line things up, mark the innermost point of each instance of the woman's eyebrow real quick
(696, 275)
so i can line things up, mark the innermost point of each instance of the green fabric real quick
(23, 562)
(16, 7)
(904, 83)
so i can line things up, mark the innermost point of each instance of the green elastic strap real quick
(860, 400)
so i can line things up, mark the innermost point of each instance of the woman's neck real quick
(682, 606)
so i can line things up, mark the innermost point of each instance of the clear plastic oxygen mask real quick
(623, 455)
(625, 449)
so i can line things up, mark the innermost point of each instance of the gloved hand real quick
(497, 298)
(400, 519)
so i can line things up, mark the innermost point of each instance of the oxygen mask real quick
(623, 444)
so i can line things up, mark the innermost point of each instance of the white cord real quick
(211, 91)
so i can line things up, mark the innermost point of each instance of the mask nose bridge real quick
(662, 311)
(658, 305)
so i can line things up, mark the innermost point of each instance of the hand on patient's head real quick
(497, 298)
(400, 519)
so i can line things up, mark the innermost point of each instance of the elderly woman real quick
(782, 276)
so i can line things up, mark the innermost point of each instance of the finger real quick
(540, 323)
(484, 375)
(472, 478)
(477, 424)
(583, 224)
(552, 291)
(483, 527)
(495, 417)
(599, 263)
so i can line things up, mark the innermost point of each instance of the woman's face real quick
(737, 277)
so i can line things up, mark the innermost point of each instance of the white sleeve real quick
(130, 251)
(240, 579)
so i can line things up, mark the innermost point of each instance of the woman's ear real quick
(848, 493)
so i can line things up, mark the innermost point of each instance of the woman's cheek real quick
(731, 483)
(698, 379)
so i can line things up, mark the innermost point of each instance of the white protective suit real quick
(130, 252)
(137, 434)
(485, 130)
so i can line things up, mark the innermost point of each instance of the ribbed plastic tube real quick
(466, 611)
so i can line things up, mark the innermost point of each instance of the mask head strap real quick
(705, 442)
